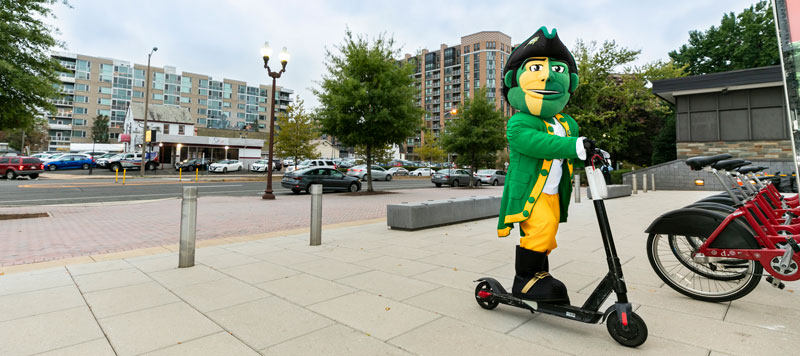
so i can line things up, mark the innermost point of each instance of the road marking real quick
(123, 196)
(109, 184)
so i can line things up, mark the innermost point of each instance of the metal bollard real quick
(316, 214)
(577, 188)
(633, 179)
(116, 175)
(124, 172)
(196, 174)
(180, 174)
(188, 227)
(644, 183)
(653, 181)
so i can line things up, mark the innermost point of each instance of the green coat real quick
(533, 146)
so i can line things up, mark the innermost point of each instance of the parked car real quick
(491, 176)
(288, 162)
(13, 167)
(105, 161)
(53, 157)
(345, 163)
(94, 154)
(260, 166)
(329, 177)
(398, 171)
(310, 163)
(41, 156)
(453, 178)
(193, 163)
(277, 164)
(225, 165)
(69, 161)
(378, 173)
(422, 172)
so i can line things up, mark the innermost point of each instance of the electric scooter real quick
(625, 326)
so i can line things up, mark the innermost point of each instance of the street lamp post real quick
(226, 152)
(266, 52)
(146, 105)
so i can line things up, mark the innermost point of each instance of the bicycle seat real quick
(749, 169)
(729, 164)
(697, 163)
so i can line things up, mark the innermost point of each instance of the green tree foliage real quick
(381, 154)
(664, 149)
(744, 40)
(366, 98)
(27, 73)
(35, 138)
(477, 132)
(100, 129)
(431, 150)
(296, 133)
(613, 104)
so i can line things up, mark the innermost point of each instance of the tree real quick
(366, 97)
(431, 150)
(664, 149)
(381, 154)
(613, 104)
(746, 40)
(100, 129)
(28, 75)
(296, 132)
(477, 131)
(36, 138)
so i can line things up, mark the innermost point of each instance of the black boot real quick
(533, 282)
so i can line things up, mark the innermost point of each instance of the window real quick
(104, 112)
(203, 102)
(158, 96)
(226, 104)
(83, 75)
(81, 87)
(104, 90)
(240, 106)
(79, 110)
(476, 46)
(203, 92)
(180, 130)
(202, 111)
(104, 101)
(138, 94)
(79, 122)
(186, 99)
(78, 133)
(81, 99)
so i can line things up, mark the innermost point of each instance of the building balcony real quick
(60, 127)
(70, 66)
(59, 138)
(66, 79)
(67, 90)
(63, 114)
(62, 102)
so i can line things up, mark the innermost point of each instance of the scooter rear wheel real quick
(485, 302)
(632, 335)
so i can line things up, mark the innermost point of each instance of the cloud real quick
(222, 38)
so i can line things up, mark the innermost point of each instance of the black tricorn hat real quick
(541, 44)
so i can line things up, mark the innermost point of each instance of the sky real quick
(222, 38)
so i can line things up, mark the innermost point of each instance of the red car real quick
(11, 167)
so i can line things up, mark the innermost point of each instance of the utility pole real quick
(146, 106)
(22, 147)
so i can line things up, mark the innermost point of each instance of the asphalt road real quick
(24, 192)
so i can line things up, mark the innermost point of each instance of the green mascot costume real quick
(538, 79)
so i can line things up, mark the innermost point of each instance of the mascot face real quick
(543, 88)
(540, 75)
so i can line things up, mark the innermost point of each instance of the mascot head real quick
(540, 75)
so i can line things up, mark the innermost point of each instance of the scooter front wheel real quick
(484, 296)
(631, 335)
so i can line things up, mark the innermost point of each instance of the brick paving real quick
(81, 230)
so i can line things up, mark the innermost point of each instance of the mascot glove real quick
(580, 149)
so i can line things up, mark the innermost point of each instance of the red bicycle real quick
(709, 253)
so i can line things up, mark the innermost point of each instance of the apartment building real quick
(93, 86)
(449, 75)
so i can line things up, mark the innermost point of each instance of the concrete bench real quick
(614, 191)
(414, 216)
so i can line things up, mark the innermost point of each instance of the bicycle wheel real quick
(670, 257)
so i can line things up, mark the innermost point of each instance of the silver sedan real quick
(491, 176)
(378, 173)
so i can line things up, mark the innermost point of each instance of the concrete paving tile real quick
(251, 248)
(380, 317)
(305, 289)
(155, 328)
(269, 321)
(286, 257)
(86, 268)
(589, 339)
(98, 347)
(109, 302)
(447, 336)
(37, 302)
(147, 257)
(156, 264)
(359, 243)
(30, 281)
(500, 255)
(223, 260)
(409, 253)
(345, 254)
(600, 269)
(218, 294)
(335, 340)
(460, 305)
(259, 272)
(398, 266)
(461, 262)
(667, 298)
(451, 278)
(179, 277)
(330, 269)
(209, 251)
(45, 332)
(460, 250)
(414, 241)
(765, 294)
(388, 285)
(221, 343)
(111, 279)
(717, 335)
(767, 317)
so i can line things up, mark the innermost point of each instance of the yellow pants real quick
(539, 230)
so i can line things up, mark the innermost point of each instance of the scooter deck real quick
(567, 311)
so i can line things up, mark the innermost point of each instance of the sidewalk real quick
(369, 290)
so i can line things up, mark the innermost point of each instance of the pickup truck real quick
(133, 161)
